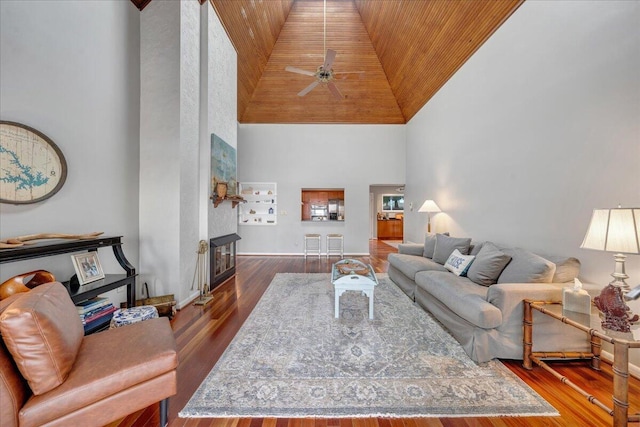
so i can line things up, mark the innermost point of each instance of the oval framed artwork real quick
(32, 167)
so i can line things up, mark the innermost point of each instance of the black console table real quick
(80, 293)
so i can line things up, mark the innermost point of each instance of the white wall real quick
(352, 157)
(536, 130)
(222, 111)
(169, 145)
(187, 92)
(71, 70)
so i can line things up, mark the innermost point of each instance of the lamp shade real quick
(614, 230)
(429, 206)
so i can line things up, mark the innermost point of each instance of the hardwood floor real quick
(203, 333)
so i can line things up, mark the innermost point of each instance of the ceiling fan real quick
(324, 73)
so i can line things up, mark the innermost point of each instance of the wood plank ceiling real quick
(408, 49)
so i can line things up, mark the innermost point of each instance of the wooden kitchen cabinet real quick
(390, 229)
(318, 197)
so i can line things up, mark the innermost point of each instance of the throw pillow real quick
(458, 264)
(567, 268)
(43, 333)
(526, 267)
(488, 265)
(445, 246)
(474, 248)
(430, 244)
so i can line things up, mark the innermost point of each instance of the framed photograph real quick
(392, 202)
(87, 267)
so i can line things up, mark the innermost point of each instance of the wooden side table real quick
(590, 324)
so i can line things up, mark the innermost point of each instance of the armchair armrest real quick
(411, 249)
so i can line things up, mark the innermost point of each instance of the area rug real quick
(292, 358)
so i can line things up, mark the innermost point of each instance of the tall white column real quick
(169, 146)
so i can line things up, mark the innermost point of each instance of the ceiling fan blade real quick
(334, 90)
(351, 75)
(308, 89)
(299, 71)
(328, 59)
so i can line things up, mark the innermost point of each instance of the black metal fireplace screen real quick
(222, 256)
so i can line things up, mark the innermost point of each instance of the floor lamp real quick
(429, 206)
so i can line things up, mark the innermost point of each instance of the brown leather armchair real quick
(52, 375)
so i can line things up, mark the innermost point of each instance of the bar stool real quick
(311, 244)
(335, 245)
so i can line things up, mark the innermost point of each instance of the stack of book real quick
(95, 312)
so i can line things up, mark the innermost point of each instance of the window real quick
(392, 202)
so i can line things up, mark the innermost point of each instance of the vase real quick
(221, 190)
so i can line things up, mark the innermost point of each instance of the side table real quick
(590, 324)
(77, 292)
(353, 275)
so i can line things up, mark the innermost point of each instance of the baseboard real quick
(185, 302)
(634, 370)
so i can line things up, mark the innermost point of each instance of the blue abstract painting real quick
(223, 165)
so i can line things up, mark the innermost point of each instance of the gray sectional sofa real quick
(476, 292)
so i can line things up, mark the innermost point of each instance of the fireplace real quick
(222, 255)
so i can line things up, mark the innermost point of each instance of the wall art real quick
(32, 167)
(223, 166)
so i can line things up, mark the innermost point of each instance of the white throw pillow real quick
(458, 264)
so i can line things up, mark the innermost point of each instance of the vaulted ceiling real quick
(406, 50)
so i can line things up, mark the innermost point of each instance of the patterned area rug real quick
(293, 359)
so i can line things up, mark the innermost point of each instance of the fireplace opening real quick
(222, 258)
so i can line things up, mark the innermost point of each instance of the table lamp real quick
(615, 230)
(429, 206)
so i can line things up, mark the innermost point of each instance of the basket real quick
(166, 304)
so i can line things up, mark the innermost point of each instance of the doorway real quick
(386, 203)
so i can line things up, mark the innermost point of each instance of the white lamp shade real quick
(614, 230)
(429, 206)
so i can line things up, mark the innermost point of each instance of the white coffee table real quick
(353, 275)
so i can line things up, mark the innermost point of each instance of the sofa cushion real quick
(465, 298)
(409, 265)
(458, 264)
(430, 244)
(43, 332)
(14, 390)
(445, 246)
(488, 265)
(474, 248)
(416, 249)
(526, 267)
(567, 268)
